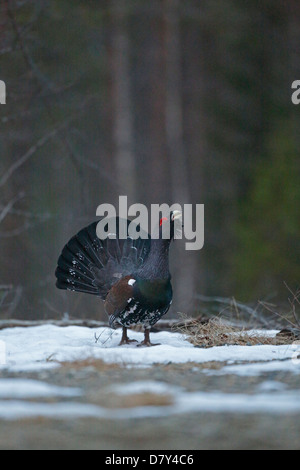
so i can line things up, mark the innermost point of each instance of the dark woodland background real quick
(163, 101)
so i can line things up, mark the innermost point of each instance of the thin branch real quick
(295, 296)
(30, 152)
(50, 307)
(5, 211)
(292, 303)
(4, 295)
(23, 228)
(12, 307)
(271, 310)
(28, 214)
(232, 302)
(41, 79)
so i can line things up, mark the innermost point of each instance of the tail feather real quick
(113, 248)
(68, 283)
(90, 245)
(91, 265)
(70, 261)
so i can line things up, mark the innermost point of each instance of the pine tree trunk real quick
(122, 102)
(178, 167)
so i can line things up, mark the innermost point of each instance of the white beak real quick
(176, 215)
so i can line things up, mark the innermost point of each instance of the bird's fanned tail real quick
(92, 265)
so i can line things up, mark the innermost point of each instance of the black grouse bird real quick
(131, 275)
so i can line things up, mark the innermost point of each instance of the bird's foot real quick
(127, 341)
(147, 343)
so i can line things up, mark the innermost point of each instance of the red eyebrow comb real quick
(162, 220)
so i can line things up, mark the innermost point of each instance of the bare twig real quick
(17, 231)
(295, 295)
(237, 306)
(28, 214)
(292, 302)
(50, 307)
(30, 152)
(5, 210)
(295, 323)
(40, 77)
(270, 308)
(23, 228)
(4, 295)
(12, 307)
(97, 338)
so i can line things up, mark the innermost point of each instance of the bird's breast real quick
(153, 293)
(138, 312)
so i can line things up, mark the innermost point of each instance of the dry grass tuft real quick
(97, 364)
(217, 332)
(143, 399)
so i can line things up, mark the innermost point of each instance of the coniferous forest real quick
(162, 101)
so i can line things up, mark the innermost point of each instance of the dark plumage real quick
(131, 276)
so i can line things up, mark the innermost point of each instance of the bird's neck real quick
(156, 265)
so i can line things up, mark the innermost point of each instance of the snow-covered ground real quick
(33, 349)
(181, 402)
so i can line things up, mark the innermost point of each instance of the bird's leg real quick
(125, 339)
(146, 341)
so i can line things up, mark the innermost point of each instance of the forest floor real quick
(170, 397)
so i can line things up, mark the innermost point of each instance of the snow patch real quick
(45, 346)
(41, 347)
(257, 368)
(145, 386)
(27, 388)
(183, 402)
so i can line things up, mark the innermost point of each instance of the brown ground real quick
(177, 432)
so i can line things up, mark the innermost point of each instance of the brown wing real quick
(117, 298)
